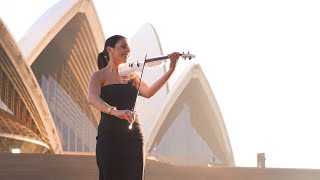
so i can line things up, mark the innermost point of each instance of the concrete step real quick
(83, 167)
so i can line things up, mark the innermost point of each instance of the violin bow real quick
(134, 117)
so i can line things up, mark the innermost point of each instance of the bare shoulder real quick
(97, 76)
(100, 76)
(137, 80)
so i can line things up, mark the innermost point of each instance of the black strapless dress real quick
(119, 150)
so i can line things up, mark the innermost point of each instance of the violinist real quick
(119, 150)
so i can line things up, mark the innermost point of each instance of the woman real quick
(119, 150)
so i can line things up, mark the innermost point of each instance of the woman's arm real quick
(94, 91)
(148, 92)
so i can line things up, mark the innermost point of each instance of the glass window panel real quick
(65, 136)
(72, 140)
(86, 148)
(79, 144)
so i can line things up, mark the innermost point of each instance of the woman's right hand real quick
(124, 114)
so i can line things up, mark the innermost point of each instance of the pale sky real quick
(261, 59)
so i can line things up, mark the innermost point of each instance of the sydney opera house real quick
(44, 79)
(43, 94)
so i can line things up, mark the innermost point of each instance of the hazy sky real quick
(261, 59)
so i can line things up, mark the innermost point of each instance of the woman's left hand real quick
(173, 60)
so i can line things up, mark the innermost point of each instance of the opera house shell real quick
(44, 80)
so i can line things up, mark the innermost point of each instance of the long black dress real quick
(119, 150)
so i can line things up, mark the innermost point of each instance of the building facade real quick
(44, 80)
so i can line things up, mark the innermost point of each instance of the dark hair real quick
(103, 57)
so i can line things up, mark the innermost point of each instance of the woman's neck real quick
(112, 67)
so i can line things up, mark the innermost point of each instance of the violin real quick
(127, 69)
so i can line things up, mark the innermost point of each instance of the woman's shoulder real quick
(100, 73)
